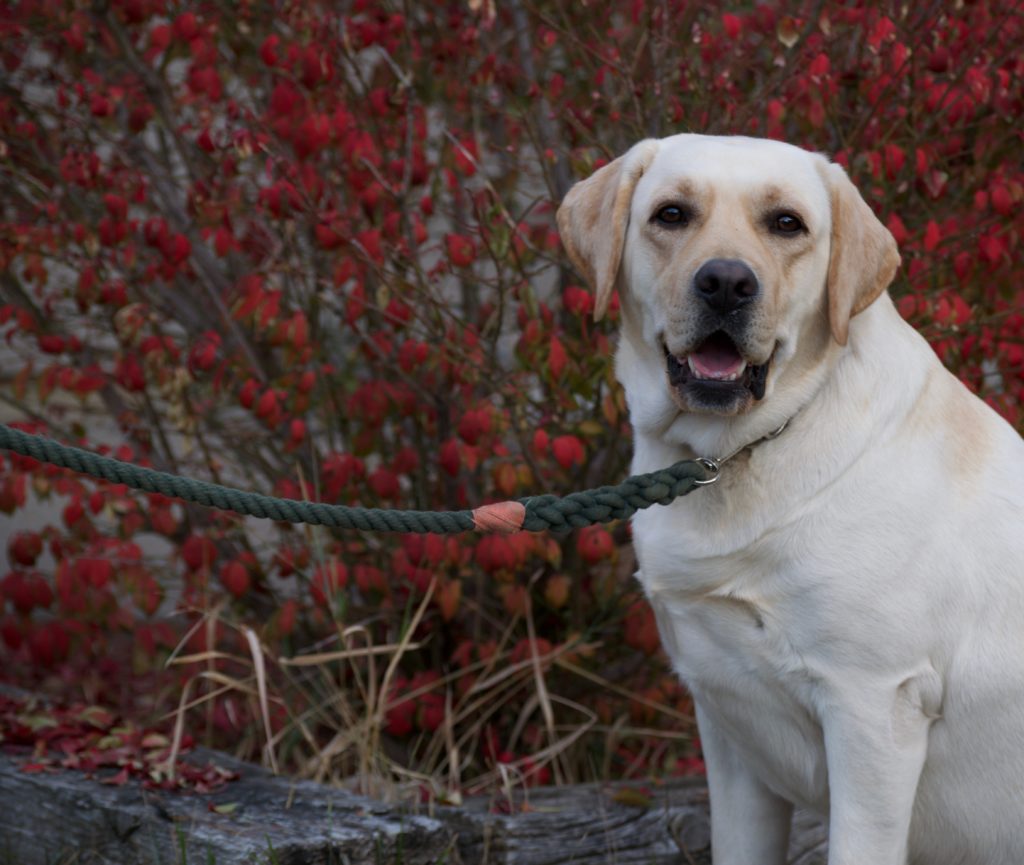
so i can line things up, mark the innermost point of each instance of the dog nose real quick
(725, 284)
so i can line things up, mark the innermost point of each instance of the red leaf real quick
(34, 768)
(118, 780)
(594, 544)
(461, 251)
(568, 451)
(898, 229)
(1002, 203)
(449, 457)
(732, 25)
(186, 27)
(268, 50)
(235, 578)
(557, 358)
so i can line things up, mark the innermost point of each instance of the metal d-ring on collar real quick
(715, 465)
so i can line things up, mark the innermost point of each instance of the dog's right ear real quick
(594, 216)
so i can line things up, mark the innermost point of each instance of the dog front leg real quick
(875, 747)
(749, 823)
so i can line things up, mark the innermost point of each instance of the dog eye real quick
(672, 215)
(786, 223)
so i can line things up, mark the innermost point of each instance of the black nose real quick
(725, 284)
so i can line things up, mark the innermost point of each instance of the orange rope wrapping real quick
(504, 518)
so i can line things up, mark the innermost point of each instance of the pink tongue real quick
(716, 357)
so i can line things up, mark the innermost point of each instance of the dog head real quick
(737, 259)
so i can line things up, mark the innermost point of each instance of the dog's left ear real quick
(863, 258)
(594, 216)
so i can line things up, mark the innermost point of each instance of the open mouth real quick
(717, 364)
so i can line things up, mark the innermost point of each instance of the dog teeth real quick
(734, 376)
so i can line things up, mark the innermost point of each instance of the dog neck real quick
(714, 464)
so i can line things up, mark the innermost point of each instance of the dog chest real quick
(752, 684)
(735, 626)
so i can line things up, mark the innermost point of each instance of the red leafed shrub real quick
(311, 251)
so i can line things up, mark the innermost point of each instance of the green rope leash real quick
(533, 514)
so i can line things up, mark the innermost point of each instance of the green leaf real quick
(226, 808)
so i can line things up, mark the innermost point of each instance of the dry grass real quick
(323, 713)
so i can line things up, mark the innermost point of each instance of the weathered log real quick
(64, 816)
(54, 816)
(588, 824)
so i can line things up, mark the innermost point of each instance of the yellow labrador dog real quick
(846, 602)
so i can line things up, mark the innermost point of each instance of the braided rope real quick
(546, 512)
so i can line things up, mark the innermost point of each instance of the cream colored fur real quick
(847, 603)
